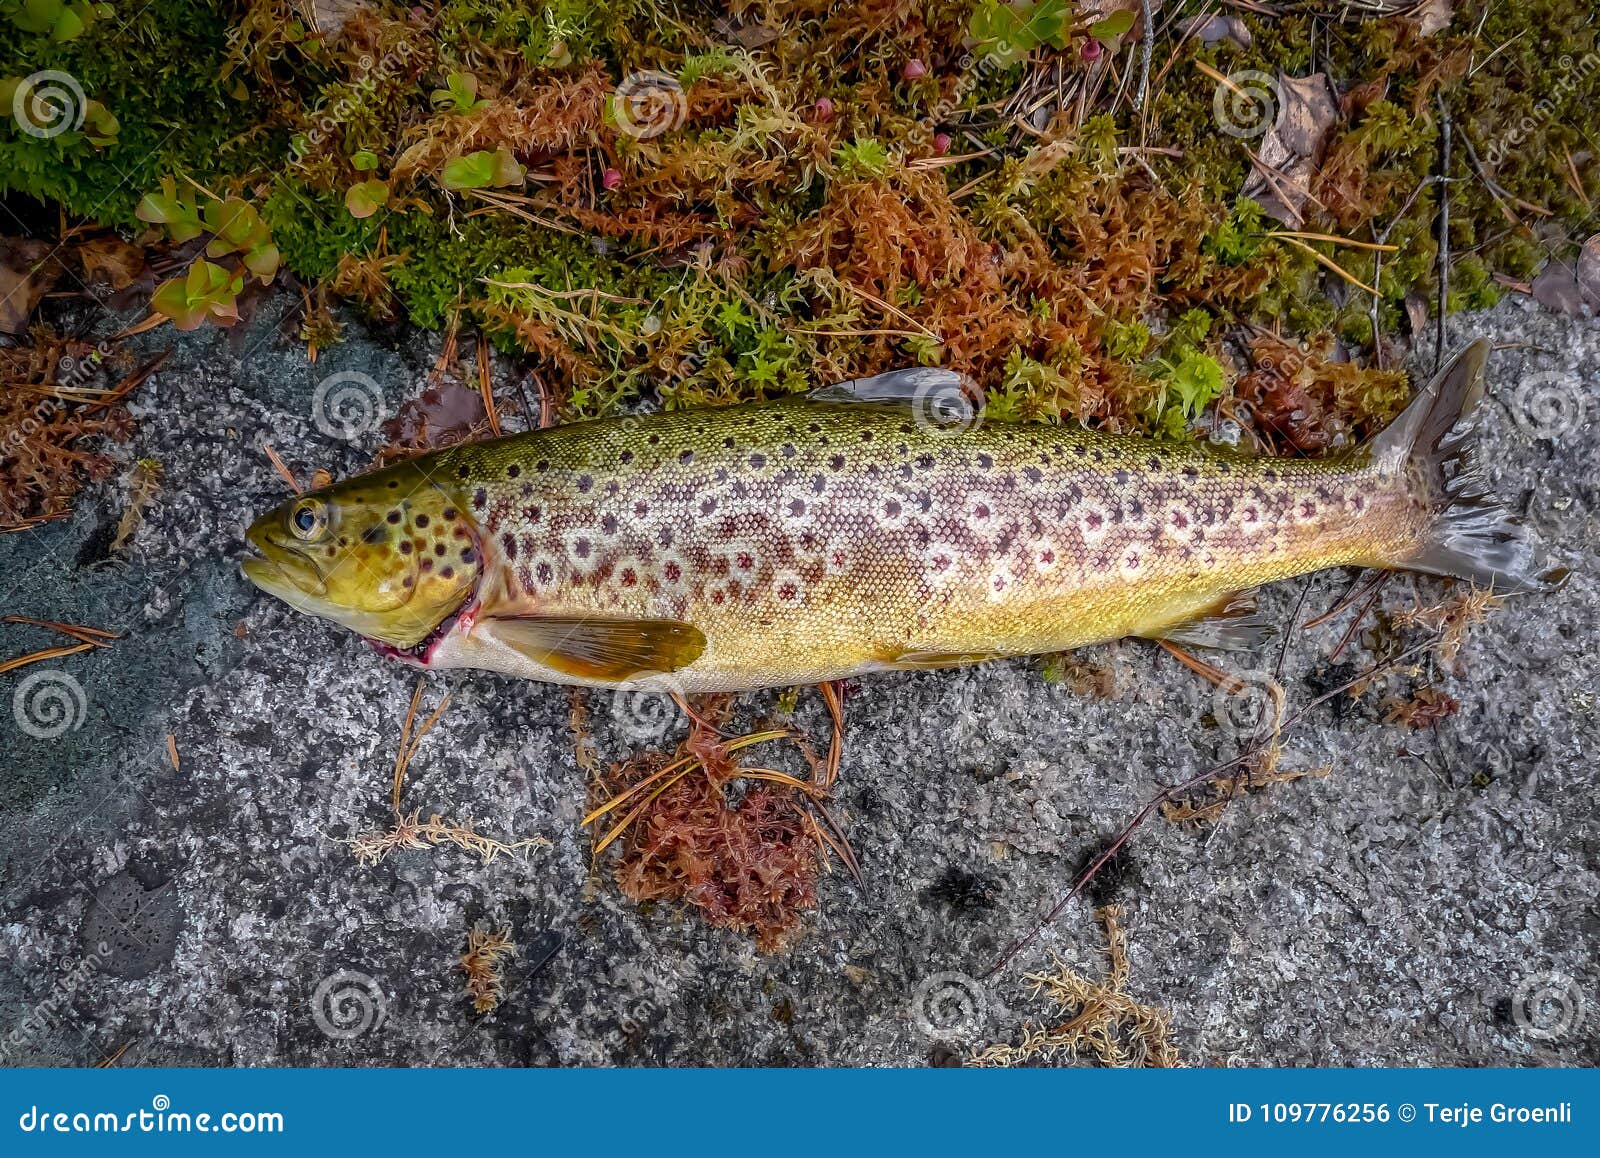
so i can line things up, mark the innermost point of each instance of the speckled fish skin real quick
(793, 542)
(811, 542)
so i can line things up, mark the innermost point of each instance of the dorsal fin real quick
(948, 398)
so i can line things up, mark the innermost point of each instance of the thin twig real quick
(1444, 233)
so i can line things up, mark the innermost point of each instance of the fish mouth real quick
(281, 570)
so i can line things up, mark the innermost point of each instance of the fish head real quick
(390, 555)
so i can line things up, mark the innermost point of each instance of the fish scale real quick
(791, 542)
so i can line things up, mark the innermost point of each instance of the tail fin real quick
(1472, 536)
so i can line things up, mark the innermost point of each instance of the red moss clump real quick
(747, 861)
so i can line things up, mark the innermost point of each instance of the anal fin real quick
(1234, 623)
(599, 649)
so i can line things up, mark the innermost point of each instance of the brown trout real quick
(858, 530)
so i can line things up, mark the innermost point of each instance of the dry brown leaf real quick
(27, 272)
(1432, 16)
(1556, 288)
(1292, 147)
(111, 262)
(1588, 272)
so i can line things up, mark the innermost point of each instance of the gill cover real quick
(390, 555)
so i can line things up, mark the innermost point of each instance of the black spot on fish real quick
(708, 506)
(585, 483)
(818, 483)
(394, 484)
(686, 457)
(654, 440)
(788, 450)
(1033, 474)
(422, 520)
(924, 462)
(758, 460)
(508, 543)
(393, 517)
(405, 547)
(985, 462)
(513, 470)
(439, 549)
(480, 499)
(1190, 472)
(447, 572)
(836, 462)
(625, 457)
(542, 465)
(468, 555)
(461, 472)
(1120, 477)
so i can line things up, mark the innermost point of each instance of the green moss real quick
(230, 94)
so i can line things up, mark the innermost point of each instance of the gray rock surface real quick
(1432, 908)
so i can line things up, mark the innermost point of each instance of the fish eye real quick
(308, 519)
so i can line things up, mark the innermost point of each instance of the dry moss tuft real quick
(1102, 1020)
(483, 965)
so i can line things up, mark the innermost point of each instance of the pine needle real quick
(1327, 262)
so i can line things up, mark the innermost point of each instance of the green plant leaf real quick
(474, 171)
(366, 198)
(1115, 26)
(364, 161)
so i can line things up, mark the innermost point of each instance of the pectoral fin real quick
(599, 649)
(1233, 624)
